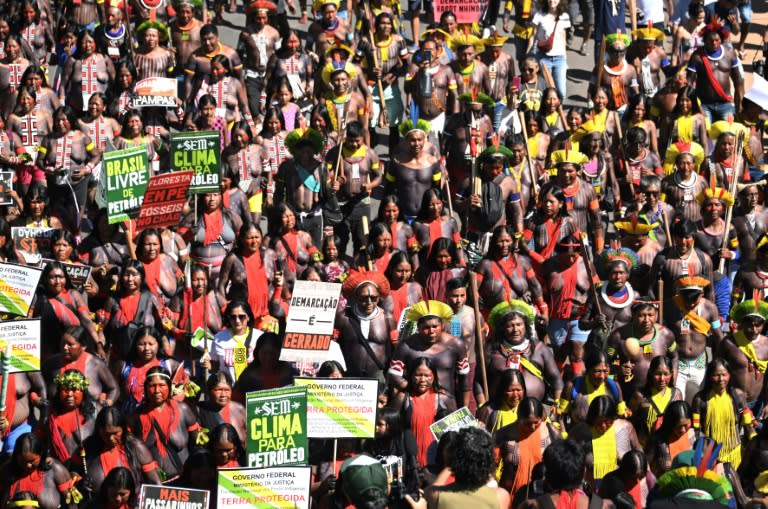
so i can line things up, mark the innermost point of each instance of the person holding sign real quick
(166, 426)
(364, 327)
(232, 348)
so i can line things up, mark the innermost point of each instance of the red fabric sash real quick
(167, 417)
(64, 307)
(435, 231)
(381, 263)
(129, 305)
(562, 303)
(113, 458)
(423, 415)
(66, 424)
(635, 492)
(33, 482)
(714, 83)
(79, 364)
(258, 286)
(214, 223)
(553, 232)
(291, 239)
(152, 272)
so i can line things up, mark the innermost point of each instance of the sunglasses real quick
(368, 298)
(238, 317)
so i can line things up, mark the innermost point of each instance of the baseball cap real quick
(363, 479)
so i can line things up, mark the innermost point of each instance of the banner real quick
(309, 325)
(164, 200)
(264, 488)
(201, 153)
(24, 338)
(166, 497)
(277, 427)
(17, 287)
(466, 12)
(461, 418)
(151, 92)
(32, 244)
(127, 173)
(6, 186)
(78, 274)
(340, 407)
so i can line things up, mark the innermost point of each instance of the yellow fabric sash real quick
(384, 50)
(604, 453)
(552, 118)
(721, 426)
(593, 392)
(504, 417)
(698, 322)
(240, 355)
(531, 367)
(748, 349)
(685, 128)
(661, 400)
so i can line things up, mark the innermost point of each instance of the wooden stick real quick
(600, 69)
(5, 367)
(731, 189)
(633, 16)
(129, 239)
(588, 267)
(619, 136)
(383, 121)
(661, 300)
(479, 346)
(531, 169)
(551, 84)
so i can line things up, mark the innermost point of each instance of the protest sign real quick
(201, 153)
(164, 200)
(78, 274)
(151, 92)
(127, 173)
(466, 12)
(32, 244)
(264, 488)
(277, 427)
(167, 497)
(6, 186)
(24, 338)
(340, 407)
(17, 287)
(309, 325)
(461, 418)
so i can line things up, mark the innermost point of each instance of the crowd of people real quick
(589, 282)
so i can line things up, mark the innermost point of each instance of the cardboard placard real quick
(264, 488)
(277, 427)
(164, 200)
(126, 173)
(155, 92)
(309, 324)
(24, 338)
(466, 12)
(461, 418)
(340, 407)
(199, 152)
(32, 244)
(78, 274)
(17, 287)
(167, 497)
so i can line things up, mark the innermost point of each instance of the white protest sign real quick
(17, 287)
(340, 407)
(264, 488)
(309, 324)
(24, 338)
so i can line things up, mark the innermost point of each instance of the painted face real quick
(111, 435)
(752, 327)
(134, 125)
(551, 205)
(683, 244)
(95, 106)
(391, 213)
(117, 497)
(124, 78)
(331, 251)
(661, 378)
(212, 201)
(71, 349)
(422, 379)
(340, 83)
(185, 13)
(62, 123)
(157, 390)
(599, 374)
(568, 174)
(221, 394)
(70, 397)
(618, 276)
(28, 461)
(383, 243)
(514, 393)
(367, 298)
(57, 281)
(443, 259)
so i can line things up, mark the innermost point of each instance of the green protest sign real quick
(127, 173)
(277, 427)
(201, 153)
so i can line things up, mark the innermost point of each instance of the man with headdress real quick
(746, 351)
(711, 70)
(681, 188)
(500, 64)
(515, 347)
(447, 353)
(199, 62)
(470, 73)
(328, 29)
(185, 31)
(724, 162)
(431, 85)
(465, 134)
(391, 56)
(259, 41)
(567, 283)
(580, 197)
(634, 234)
(613, 307)
(618, 76)
(358, 172)
(695, 321)
(412, 170)
(649, 59)
(343, 103)
(112, 37)
(497, 186)
(341, 56)
(364, 327)
(642, 339)
(300, 180)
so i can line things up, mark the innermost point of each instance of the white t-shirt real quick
(653, 10)
(223, 350)
(545, 25)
